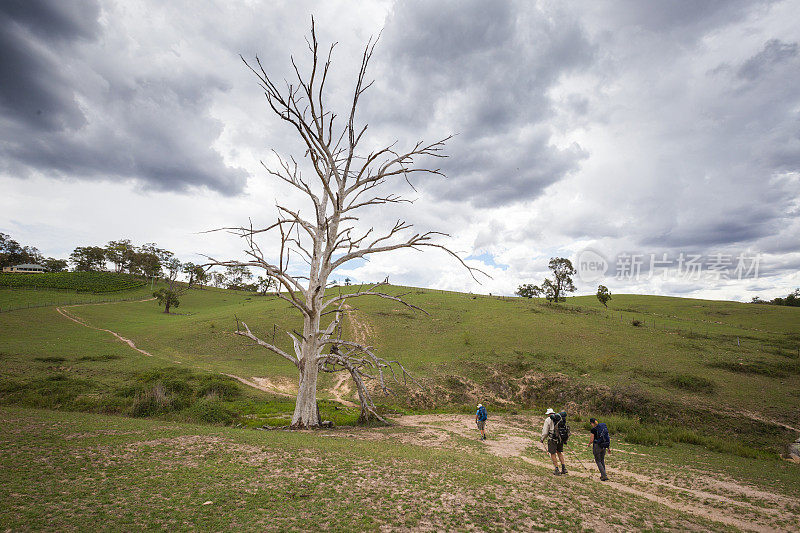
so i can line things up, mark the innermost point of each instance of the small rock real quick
(327, 424)
(209, 502)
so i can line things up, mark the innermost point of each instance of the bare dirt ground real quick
(699, 493)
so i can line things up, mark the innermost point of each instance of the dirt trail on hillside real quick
(277, 386)
(362, 331)
(127, 341)
(342, 388)
(699, 493)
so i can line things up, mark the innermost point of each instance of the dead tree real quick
(345, 180)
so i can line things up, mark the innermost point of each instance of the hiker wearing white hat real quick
(480, 420)
(555, 446)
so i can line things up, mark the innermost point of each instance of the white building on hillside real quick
(26, 268)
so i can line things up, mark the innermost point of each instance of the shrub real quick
(687, 436)
(210, 411)
(152, 401)
(50, 359)
(220, 386)
(104, 357)
(645, 435)
(693, 383)
(636, 323)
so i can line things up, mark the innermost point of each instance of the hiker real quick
(556, 432)
(480, 420)
(600, 441)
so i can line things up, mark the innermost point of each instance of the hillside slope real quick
(727, 363)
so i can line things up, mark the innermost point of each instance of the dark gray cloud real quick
(482, 71)
(681, 16)
(66, 110)
(34, 90)
(774, 53)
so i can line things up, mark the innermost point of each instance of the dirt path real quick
(75, 319)
(273, 386)
(341, 388)
(362, 331)
(723, 501)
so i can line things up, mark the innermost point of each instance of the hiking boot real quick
(604, 478)
(556, 472)
(563, 469)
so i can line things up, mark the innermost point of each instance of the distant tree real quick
(347, 281)
(553, 290)
(792, 299)
(145, 264)
(119, 253)
(167, 298)
(170, 295)
(197, 274)
(88, 259)
(218, 279)
(562, 273)
(149, 260)
(55, 265)
(549, 291)
(603, 294)
(529, 290)
(13, 253)
(263, 284)
(236, 275)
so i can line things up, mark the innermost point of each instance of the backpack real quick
(603, 438)
(561, 430)
(482, 413)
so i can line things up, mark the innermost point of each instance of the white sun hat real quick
(480, 405)
(549, 411)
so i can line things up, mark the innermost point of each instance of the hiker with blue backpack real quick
(556, 431)
(480, 420)
(600, 441)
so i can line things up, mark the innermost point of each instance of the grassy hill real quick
(695, 378)
(22, 291)
(690, 359)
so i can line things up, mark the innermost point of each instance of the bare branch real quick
(247, 333)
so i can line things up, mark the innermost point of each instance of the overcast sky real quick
(639, 131)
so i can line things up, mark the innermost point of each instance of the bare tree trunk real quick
(306, 411)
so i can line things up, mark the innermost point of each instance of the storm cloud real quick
(483, 72)
(79, 103)
(637, 127)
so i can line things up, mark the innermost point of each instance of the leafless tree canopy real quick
(344, 182)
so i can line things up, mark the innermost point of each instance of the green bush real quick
(220, 386)
(647, 436)
(687, 436)
(155, 400)
(692, 383)
(210, 411)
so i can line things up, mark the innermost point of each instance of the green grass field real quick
(708, 385)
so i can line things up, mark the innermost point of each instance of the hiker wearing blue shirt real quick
(480, 420)
(600, 441)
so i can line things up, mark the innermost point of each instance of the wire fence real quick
(64, 303)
